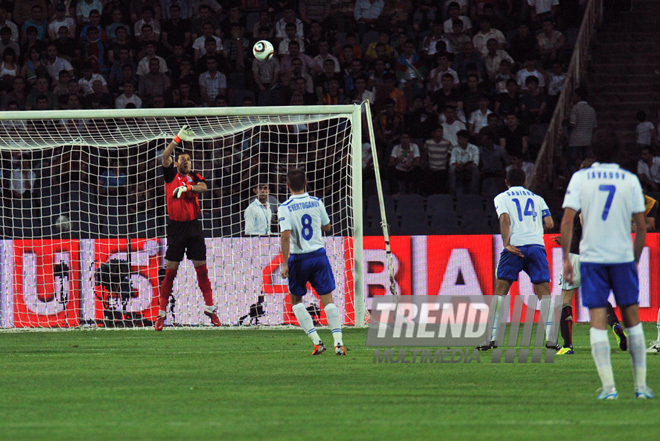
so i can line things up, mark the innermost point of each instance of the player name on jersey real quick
(302, 205)
(594, 174)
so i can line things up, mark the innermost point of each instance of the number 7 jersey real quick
(526, 211)
(608, 197)
(303, 215)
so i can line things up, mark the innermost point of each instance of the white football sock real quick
(657, 324)
(600, 351)
(548, 323)
(636, 346)
(332, 313)
(496, 318)
(306, 322)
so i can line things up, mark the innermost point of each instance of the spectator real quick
(61, 89)
(526, 166)
(60, 20)
(41, 89)
(351, 75)
(199, 20)
(543, 9)
(405, 159)
(7, 42)
(468, 56)
(294, 52)
(294, 72)
(176, 29)
(457, 37)
(321, 80)
(471, 94)
(550, 43)
(235, 16)
(436, 151)
(32, 41)
(454, 13)
(448, 93)
(174, 60)
(84, 9)
(88, 77)
(212, 82)
(199, 45)
(113, 180)
(442, 60)
(494, 58)
(384, 39)
(513, 137)
(116, 71)
(236, 52)
(323, 55)
(493, 161)
(464, 165)
(314, 36)
(289, 36)
(582, 122)
(93, 51)
(122, 41)
(389, 90)
(99, 98)
(165, 10)
(534, 103)
(452, 126)
(33, 67)
(509, 102)
(409, 68)
(8, 69)
(17, 94)
(648, 170)
(645, 131)
(55, 64)
(528, 71)
(67, 47)
(360, 93)
(388, 127)
(148, 18)
(332, 97)
(479, 118)
(556, 83)
(154, 83)
(431, 42)
(5, 22)
(128, 97)
(117, 24)
(38, 21)
(367, 14)
(23, 179)
(502, 77)
(184, 96)
(266, 75)
(486, 32)
(93, 23)
(523, 44)
(150, 52)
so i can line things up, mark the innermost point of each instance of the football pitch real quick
(253, 384)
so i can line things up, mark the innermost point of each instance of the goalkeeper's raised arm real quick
(185, 134)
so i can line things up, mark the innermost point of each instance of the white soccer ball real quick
(263, 50)
(62, 223)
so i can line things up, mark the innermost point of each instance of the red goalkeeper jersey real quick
(186, 208)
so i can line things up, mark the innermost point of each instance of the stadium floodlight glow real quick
(101, 170)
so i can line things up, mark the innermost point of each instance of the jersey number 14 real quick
(529, 209)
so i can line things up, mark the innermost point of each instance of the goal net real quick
(84, 214)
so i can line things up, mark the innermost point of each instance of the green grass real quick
(264, 384)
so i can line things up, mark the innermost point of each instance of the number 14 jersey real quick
(526, 211)
(303, 215)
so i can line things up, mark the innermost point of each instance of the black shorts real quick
(185, 238)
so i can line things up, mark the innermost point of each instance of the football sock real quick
(496, 318)
(636, 346)
(566, 325)
(204, 284)
(166, 288)
(600, 351)
(332, 313)
(306, 322)
(657, 324)
(612, 319)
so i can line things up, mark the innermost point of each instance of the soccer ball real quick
(62, 223)
(263, 50)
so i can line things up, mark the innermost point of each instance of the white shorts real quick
(575, 261)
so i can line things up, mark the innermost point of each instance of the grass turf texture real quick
(264, 384)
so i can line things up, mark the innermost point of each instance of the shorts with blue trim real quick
(534, 263)
(311, 267)
(599, 278)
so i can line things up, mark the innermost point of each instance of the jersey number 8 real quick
(307, 231)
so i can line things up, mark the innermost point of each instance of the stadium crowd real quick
(460, 90)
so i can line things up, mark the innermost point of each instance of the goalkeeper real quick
(184, 231)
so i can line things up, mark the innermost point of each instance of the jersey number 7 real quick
(611, 189)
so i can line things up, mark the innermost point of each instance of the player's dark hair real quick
(605, 145)
(516, 177)
(183, 152)
(296, 179)
(641, 115)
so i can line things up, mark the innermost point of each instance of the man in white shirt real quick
(523, 217)
(55, 64)
(464, 164)
(452, 125)
(128, 97)
(608, 198)
(648, 170)
(258, 215)
(302, 220)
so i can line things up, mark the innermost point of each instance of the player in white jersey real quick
(523, 216)
(302, 218)
(608, 197)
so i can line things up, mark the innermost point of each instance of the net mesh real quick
(84, 217)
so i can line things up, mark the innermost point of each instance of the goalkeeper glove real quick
(179, 191)
(185, 134)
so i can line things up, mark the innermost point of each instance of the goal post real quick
(83, 220)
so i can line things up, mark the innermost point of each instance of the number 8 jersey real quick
(526, 211)
(303, 215)
(608, 197)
